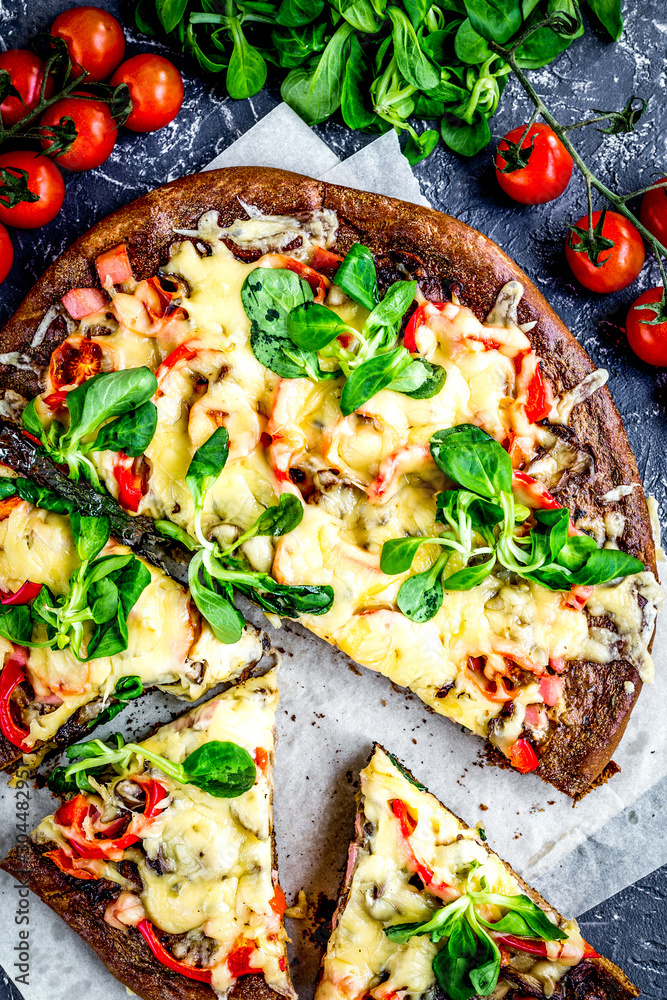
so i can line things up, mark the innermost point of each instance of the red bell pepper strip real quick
(261, 758)
(238, 960)
(12, 676)
(278, 903)
(147, 931)
(81, 302)
(536, 406)
(408, 824)
(114, 264)
(71, 816)
(523, 757)
(26, 593)
(418, 319)
(155, 793)
(54, 400)
(130, 484)
(182, 353)
(534, 946)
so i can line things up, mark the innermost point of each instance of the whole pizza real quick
(361, 415)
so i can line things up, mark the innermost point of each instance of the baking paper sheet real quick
(330, 713)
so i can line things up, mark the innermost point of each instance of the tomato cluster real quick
(533, 166)
(96, 46)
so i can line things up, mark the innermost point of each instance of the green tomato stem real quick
(618, 201)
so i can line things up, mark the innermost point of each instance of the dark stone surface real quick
(631, 927)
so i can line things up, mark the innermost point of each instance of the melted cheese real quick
(169, 645)
(366, 478)
(214, 855)
(360, 959)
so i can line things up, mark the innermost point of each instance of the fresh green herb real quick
(379, 63)
(39, 496)
(126, 690)
(91, 617)
(483, 526)
(291, 334)
(222, 769)
(214, 573)
(268, 296)
(469, 963)
(124, 395)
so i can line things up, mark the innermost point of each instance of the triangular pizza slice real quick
(86, 626)
(163, 860)
(428, 909)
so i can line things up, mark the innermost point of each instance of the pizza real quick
(428, 909)
(454, 499)
(77, 665)
(163, 861)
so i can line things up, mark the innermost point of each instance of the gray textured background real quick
(631, 927)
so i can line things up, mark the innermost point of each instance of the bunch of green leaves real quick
(14, 183)
(484, 526)
(91, 617)
(469, 963)
(214, 573)
(381, 64)
(124, 395)
(292, 334)
(222, 769)
(39, 496)
(126, 690)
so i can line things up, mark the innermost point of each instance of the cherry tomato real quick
(26, 72)
(6, 254)
(653, 213)
(156, 89)
(649, 342)
(96, 132)
(547, 173)
(44, 180)
(94, 39)
(619, 266)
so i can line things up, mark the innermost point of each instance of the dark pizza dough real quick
(451, 255)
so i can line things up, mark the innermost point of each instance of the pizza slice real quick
(391, 381)
(86, 626)
(163, 861)
(428, 909)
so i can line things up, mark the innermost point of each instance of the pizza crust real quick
(476, 268)
(592, 979)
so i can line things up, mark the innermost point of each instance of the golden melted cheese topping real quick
(364, 478)
(169, 644)
(207, 863)
(360, 959)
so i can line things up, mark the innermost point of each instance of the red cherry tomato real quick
(547, 173)
(44, 179)
(619, 266)
(6, 254)
(26, 72)
(96, 132)
(648, 341)
(653, 213)
(94, 39)
(156, 89)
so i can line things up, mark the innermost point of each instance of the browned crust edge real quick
(593, 979)
(578, 752)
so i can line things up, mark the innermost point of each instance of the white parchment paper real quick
(332, 710)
